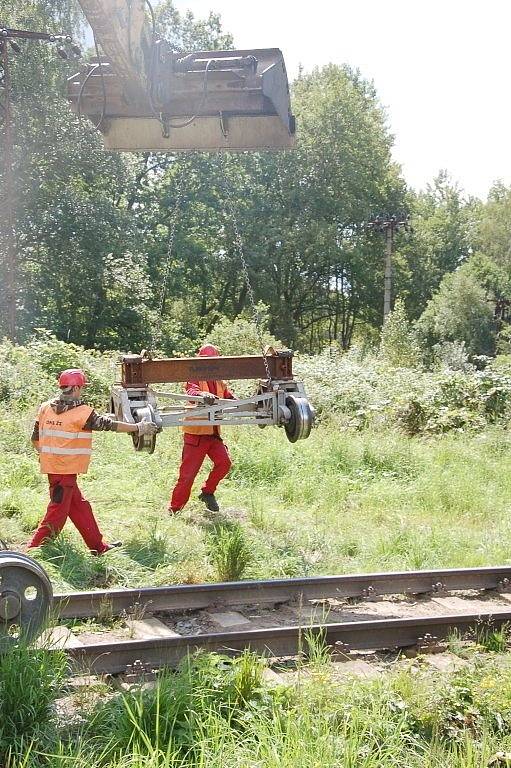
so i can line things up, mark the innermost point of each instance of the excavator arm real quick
(143, 96)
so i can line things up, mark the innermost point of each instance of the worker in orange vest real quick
(62, 436)
(199, 442)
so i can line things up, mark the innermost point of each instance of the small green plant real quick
(399, 342)
(491, 639)
(456, 643)
(170, 716)
(315, 648)
(230, 551)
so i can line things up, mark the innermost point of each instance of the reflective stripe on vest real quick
(66, 451)
(64, 447)
(191, 430)
(67, 435)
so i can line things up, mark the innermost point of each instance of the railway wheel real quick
(25, 598)
(145, 443)
(302, 418)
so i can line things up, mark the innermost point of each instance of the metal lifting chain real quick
(157, 329)
(239, 248)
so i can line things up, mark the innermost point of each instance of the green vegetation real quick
(359, 494)
(409, 466)
(229, 551)
(30, 681)
(216, 711)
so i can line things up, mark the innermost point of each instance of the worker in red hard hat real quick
(199, 442)
(62, 436)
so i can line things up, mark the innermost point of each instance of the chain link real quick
(157, 328)
(240, 250)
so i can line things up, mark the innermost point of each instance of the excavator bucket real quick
(207, 100)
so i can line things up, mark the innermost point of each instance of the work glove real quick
(146, 428)
(209, 399)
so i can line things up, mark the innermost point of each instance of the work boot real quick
(210, 501)
(108, 547)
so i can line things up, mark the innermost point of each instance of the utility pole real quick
(388, 225)
(9, 260)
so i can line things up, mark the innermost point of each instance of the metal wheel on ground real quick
(145, 443)
(25, 598)
(302, 418)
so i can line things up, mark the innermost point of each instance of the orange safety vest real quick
(190, 430)
(64, 448)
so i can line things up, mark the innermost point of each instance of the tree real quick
(83, 269)
(93, 227)
(460, 311)
(493, 236)
(442, 238)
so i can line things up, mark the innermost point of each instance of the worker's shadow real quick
(208, 520)
(75, 566)
(150, 554)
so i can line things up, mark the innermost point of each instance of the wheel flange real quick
(25, 598)
(301, 419)
(146, 443)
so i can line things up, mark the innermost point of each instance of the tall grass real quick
(341, 501)
(230, 551)
(30, 682)
(217, 713)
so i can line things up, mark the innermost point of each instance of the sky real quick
(441, 69)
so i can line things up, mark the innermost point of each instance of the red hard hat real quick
(72, 377)
(209, 350)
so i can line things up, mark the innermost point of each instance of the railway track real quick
(196, 596)
(279, 642)
(158, 626)
(279, 618)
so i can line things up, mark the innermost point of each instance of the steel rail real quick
(383, 634)
(196, 596)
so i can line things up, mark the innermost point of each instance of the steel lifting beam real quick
(137, 371)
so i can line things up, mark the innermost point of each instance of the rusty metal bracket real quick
(429, 644)
(137, 371)
(139, 673)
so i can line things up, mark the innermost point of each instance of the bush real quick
(170, 716)
(460, 311)
(358, 390)
(28, 374)
(239, 336)
(453, 355)
(362, 392)
(399, 343)
(230, 551)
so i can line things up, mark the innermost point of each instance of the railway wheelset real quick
(26, 598)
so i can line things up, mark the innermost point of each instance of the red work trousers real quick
(66, 500)
(195, 450)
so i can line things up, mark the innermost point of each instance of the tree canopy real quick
(92, 227)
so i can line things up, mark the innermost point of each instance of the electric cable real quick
(93, 69)
(165, 123)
